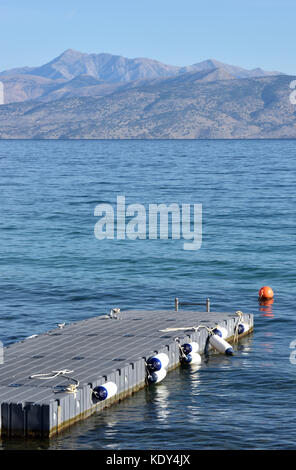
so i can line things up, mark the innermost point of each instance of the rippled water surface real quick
(53, 269)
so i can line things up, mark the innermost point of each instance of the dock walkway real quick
(96, 350)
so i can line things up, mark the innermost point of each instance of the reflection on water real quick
(266, 307)
(160, 398)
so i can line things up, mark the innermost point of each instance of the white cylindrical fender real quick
(157, 376)
(190, 348)
(220, 331)
(158, 362)
(221, 345)
(108, 390)
(164, 358)
(243, 327)
(192, 358)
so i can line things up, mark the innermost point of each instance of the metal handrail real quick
(206, 303)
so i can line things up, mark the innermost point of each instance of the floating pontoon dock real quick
(96, 350)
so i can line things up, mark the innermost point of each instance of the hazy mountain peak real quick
(234, 71)
(70, 54)
(115, 68)
(212, 63)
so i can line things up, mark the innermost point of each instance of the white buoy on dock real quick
(192, 358)
(220, 331)
(156, 366)
(190, 348)
(108, 390)
(157, 362)
(221, 345)
(189, 353)
(157, 376)
(243, 327)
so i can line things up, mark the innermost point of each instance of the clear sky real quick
(248, 33)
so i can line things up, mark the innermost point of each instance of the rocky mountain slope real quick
(204, 104)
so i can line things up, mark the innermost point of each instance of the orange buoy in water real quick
(265, 293)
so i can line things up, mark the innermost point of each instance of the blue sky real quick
(250, 33)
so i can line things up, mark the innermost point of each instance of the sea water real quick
(53, 269)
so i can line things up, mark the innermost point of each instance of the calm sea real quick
(53, 269)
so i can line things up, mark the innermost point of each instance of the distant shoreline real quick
(147, 140)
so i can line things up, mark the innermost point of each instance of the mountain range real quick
(76, 73)
(78, 95)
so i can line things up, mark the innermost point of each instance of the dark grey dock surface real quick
(97, 350)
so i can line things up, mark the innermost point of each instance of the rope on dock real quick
(182, 354)
(71, 388)
(189, 328)
(240, 315)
